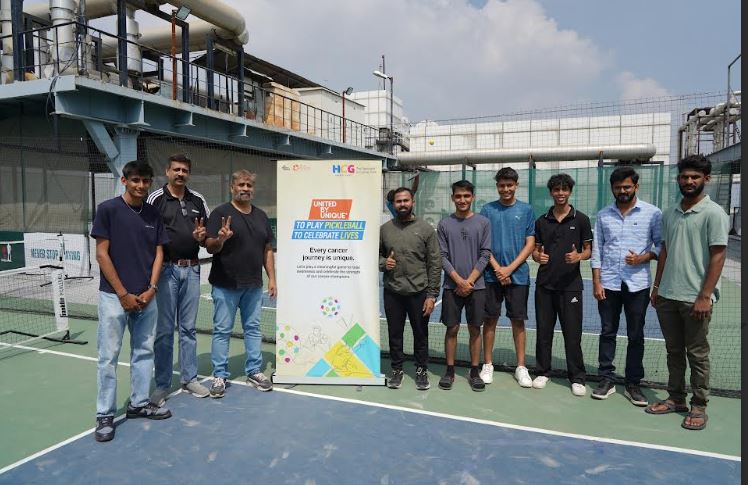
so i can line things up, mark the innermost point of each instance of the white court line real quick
(466, 419)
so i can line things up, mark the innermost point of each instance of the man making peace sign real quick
(241, 241)
(184, 212)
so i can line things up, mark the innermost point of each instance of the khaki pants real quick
(685, 337)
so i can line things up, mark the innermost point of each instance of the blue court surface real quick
(290, 437)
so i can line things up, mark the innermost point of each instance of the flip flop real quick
(696, 412)
(671, 408)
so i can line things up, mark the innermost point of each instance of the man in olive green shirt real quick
(410, 259)
(694, 247)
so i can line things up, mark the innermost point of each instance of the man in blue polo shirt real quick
(508, 277)
(129, 238)
(628, 235)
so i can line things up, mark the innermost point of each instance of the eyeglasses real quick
(184, 208)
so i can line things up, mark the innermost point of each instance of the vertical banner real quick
(327, 320)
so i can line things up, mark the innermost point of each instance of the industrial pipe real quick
(518, 155)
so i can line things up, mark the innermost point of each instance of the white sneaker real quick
(522, 376)
(578, 389)
(486, 373)
(540, 382)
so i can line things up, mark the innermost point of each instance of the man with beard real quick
(240, 250)
(184, 212)
(628, 236)
(410, 259)
(563, 238)
(686, 286)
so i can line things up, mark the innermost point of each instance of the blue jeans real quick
(634, 306)
(178, 298)
(142, 326)
(225, 303)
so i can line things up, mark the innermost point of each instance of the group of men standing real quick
(147, 248)
(484, 261)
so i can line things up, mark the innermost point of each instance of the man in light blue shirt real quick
(628, 235)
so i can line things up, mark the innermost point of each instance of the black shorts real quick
(515, 297)
(452, 305)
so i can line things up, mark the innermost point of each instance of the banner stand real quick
(327, 313)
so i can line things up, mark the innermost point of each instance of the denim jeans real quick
(634, 306)
(225, 303)
(178, 297)
(142, 326)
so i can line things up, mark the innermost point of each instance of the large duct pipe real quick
(62, 12)
(134, 60)
(518, 155)
(159, 38)
(218, 14)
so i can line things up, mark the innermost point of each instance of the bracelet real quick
(155, 288)
(126, 293)
(656, 286)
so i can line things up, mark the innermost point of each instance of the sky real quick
(470, 58)
(466, 58)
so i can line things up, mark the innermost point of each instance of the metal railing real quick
(86, 56)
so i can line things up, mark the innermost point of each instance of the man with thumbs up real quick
(410, 259)
(563, 238)
(185, 213)
(628, 235)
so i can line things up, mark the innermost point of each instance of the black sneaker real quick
(422, 379)
(149, 411)
(446, 382)
(604, 389)
(476, 383)
(395, 380)
(104, 429)
(634, 394)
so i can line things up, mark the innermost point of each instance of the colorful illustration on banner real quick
(287, 343)
(330, 307)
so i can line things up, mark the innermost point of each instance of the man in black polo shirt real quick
(184, 212)
(563, 238)
(241, 241)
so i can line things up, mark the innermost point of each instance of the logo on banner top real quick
(344, 169)
(295, 167)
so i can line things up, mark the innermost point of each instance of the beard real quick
(404, 213)
(694, 193)
(624, 198)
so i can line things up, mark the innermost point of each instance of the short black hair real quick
(398, 190)
(463, 184)
(622, 173)
(181, 158)
(507, 173)
(137, 167)
(696, 162)
(562, 180)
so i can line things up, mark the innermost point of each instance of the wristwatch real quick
(155, 288)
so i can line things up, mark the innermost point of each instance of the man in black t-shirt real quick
(241, 241)
(563, 238)
(129, 236)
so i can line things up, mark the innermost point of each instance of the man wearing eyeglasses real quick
(185, 213)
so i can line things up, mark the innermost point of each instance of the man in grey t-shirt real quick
(465, 244)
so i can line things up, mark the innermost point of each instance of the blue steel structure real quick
(115, 114)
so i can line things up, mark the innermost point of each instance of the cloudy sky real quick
(464, 58)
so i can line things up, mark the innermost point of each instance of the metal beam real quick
(16, 19)
(122, 42)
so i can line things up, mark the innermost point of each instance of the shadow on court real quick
(284, 437)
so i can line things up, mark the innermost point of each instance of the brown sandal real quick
(671, 408)
(697, 412)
